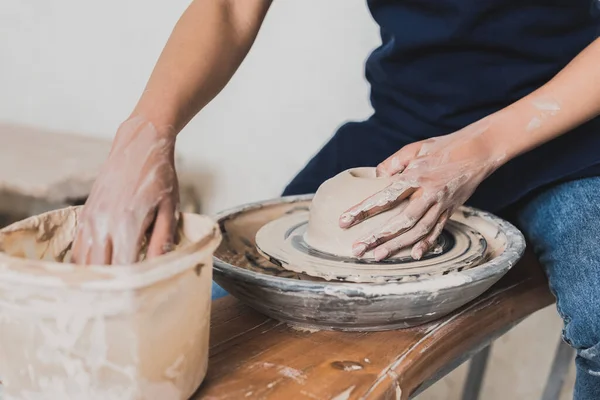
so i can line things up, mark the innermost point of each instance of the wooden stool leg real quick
(474, 380)
(560, 366)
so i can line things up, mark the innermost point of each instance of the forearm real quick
(570, 99)
(206, 47)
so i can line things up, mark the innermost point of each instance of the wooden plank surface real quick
(255, 357)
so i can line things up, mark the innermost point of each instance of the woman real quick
(491, 103)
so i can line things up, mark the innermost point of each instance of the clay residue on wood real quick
(238, 246)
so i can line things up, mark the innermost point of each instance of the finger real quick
(415, 209)
(80, 246)
(97, 242)
(430, 240)
(100, 253)
(163, 234)
(377, 203)
(398, 161)
(83, 245)
(129, 236)
(420, 230)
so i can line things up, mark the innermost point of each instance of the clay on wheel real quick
(337, 195)
(283, 242)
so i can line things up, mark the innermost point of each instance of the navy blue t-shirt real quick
(444, 64)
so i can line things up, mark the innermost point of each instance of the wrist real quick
(140, 132)
(501, 137)
(523, 126)
(158, 110)
(484, 140)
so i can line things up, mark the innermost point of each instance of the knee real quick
(560, 223)
(575, 282)
(582, 328)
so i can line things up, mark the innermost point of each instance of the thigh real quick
(563, 225)
(356, 144)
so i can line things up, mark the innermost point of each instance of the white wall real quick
(80, 66)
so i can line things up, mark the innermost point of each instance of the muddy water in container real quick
(124, 332)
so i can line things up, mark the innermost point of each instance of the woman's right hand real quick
(136, 190)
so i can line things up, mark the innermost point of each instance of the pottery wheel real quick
(269, 285)
(282, 241)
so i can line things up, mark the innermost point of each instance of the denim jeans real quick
(562, 224)
(217, 291)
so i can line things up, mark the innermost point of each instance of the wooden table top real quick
(255, 357)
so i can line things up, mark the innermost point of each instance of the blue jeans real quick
(562, 223)
(217, 291)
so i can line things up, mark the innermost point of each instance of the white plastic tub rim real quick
(38, 262)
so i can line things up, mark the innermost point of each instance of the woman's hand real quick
(432, 178)
(438, 175)
(137, 188)
(136, 191)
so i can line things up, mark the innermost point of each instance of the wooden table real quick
(255, 357)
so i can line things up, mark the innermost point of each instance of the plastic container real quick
(102, 332)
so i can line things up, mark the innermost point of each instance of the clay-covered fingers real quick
(381, 201)
(120, 241)
(397, 162)
(417, 206)
(135, 193)
(101, 255)
(425, 244)
(416, 233)
(85, 245)
(129, 233)
(81, 252)
(162, 237)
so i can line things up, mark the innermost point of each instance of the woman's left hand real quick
(432, 178)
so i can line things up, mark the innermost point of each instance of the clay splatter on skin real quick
(396, 163)
(547, 108)
(535, 123)
(547, 105)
